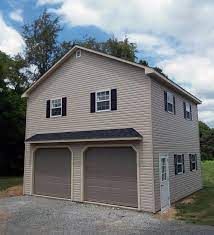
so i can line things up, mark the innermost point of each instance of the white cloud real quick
(194, 71)
(180, 31)
(152, 44)
(11, 41)
(78, 13)
(42, 2)
(16, 15)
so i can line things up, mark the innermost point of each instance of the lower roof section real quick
(80, 136)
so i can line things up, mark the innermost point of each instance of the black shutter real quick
(190, 112)
(92, 102)
(196, 162)
(174, 104)
(175, 164)
(48, 109)
(184, 104)
(64, 106)
(183, 163)
(114, 99)
(165, 100)
(190, 162)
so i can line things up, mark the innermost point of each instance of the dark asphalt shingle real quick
(81, 135)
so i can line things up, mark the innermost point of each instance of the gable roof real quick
(78, 136)
(148, 71)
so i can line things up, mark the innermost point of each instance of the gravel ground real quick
(33, 215)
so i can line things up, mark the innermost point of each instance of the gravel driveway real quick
(34, 215)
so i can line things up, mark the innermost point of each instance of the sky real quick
(175, 35)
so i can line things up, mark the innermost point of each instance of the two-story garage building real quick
(104, 130)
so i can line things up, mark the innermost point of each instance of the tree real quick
(143, 62)
(206, 141)
(121, 49)
(12, 116)
(43, 48)
(159, 70)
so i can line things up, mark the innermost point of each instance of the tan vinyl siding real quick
(77, 151)
(173, 134)
(27, 170)
(76, 79)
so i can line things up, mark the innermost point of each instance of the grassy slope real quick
(6, 182)
(201, 210)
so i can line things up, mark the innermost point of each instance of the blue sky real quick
(176, 35)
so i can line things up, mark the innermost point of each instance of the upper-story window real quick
(187, 111)
(169, 100)
(103, 100)
(56, 107)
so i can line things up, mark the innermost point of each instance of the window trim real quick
(53, 116)
(179, 163)
(182, 163)
(190, 113)
(106, 110)
(173, 109)
(195, 161)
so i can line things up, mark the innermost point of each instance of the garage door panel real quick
(53, 189)
(111, 176)
(52, 172)
(112, 183)
(104, 195)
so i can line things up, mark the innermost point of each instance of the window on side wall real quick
(187, 111)
(193, 162)
(179, 164)
(169, 100)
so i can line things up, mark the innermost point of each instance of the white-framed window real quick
(193, 162)
(188, 111)
(163, 169)
(179, 163)
(170, 102)
(103, 101)
(78, 53)
(56, 107)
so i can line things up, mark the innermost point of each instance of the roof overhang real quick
(148, 71)
(87, 136)
(168, 82)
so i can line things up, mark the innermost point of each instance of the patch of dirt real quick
(187, 200)
(3, 215)
(170, 214)
(12, 191)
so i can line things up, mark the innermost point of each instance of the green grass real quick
(201, 209)
(6, 182)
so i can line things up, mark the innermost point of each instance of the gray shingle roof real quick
(81, 135)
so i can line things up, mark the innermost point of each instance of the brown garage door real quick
(52, 172)
(110, 175)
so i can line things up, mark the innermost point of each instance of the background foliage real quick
(17, 73)
(206, 141)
